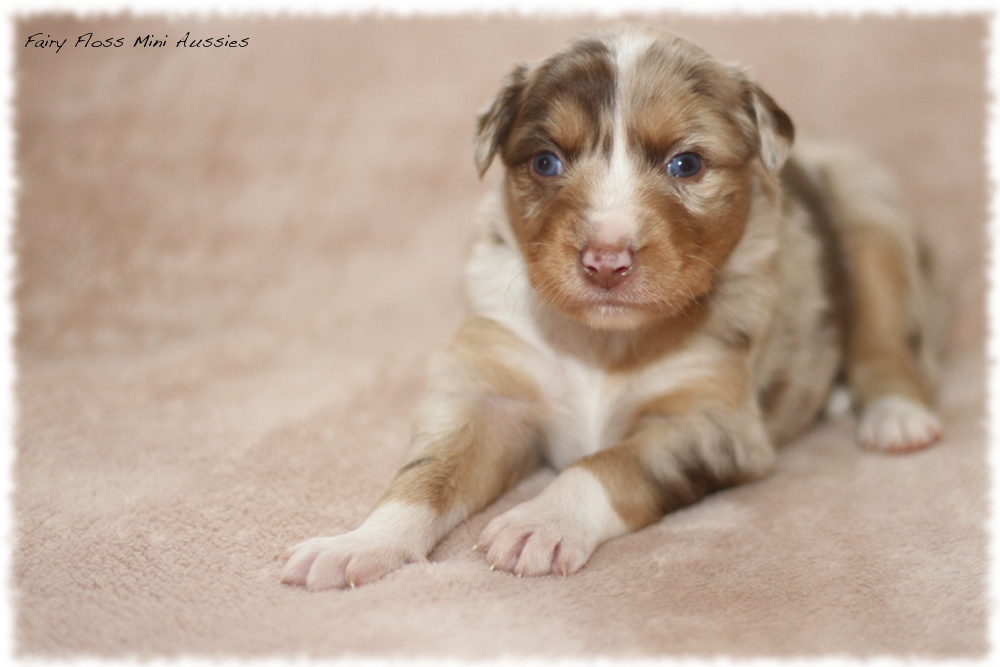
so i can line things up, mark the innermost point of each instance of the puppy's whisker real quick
(715, 270)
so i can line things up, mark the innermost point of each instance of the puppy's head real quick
(630, 158)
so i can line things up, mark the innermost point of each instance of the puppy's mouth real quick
(616, 314)
(625, 306)
(624, 298)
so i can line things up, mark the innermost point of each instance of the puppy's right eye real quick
(547, 165)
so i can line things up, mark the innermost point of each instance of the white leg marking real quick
(897, 425)
(555, 532)
(395, 534)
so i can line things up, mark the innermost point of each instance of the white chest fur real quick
(584, 403)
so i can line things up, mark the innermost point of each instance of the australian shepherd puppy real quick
(662, 292)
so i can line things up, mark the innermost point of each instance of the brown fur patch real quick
(496, 438)
(678, 449)
(638, 497)
(678, 94)
(880, 359)
(770, 396)
(565, 105)
(493, 450)
(489, 352)
(728, 386)
(493, 125)
(666, 464)
(682, 258)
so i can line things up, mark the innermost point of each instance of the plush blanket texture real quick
(235, 262)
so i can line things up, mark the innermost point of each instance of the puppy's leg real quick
(895, 328)
(666, 462)
(476, 435)
(889, 348)
(883, 364)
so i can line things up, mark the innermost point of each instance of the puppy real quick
(661, 292)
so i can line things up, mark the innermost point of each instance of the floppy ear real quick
(493, 124)
(764, 123)
(775, 131)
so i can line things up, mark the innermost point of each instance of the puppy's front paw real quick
(897, 425)
(532, 540)
(348, 560)
(395, 534)
(555, 532)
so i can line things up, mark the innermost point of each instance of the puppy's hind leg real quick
(476, 435)
(884, 368)
(892, 339)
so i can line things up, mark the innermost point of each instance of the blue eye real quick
(684, 165)
(547, 165)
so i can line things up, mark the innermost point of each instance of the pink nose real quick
(607, 266)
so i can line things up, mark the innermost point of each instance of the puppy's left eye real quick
(547, 165)
(684, 165)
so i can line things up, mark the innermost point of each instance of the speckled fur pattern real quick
(662, 292)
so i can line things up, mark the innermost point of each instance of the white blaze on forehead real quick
(628, 46)
(613, 212)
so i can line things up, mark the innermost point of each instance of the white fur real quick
(555, 532)
(393, 535)
(496, 276)
(628, 46)
(612, 216)
(581, 411)
(897, 424)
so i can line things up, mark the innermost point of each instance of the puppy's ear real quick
(772, 130)
(774, 127)
(493, 124)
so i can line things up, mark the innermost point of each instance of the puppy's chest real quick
(585, 409)
(588, 408)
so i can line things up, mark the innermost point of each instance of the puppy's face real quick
(630, 161)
